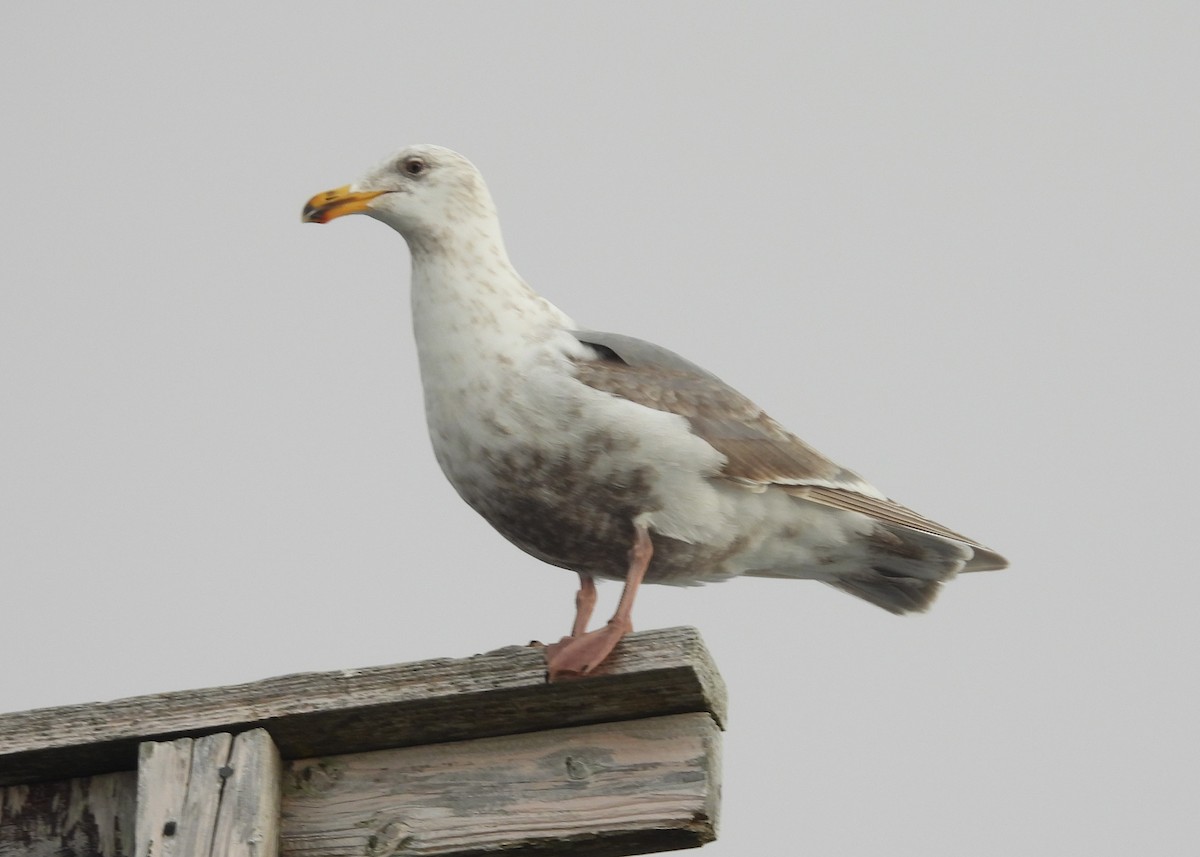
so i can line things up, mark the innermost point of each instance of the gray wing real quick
(891, 512)
(757, 449)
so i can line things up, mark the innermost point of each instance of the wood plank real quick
(629, 787)
(84, 817)
(502, 692)
(215, 796)
(248, 821)
(178, 790)
(206, 783)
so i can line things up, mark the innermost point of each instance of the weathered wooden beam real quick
(631, 787)
(81, 817)
(215, 796)
(504, 692)
(248, 821)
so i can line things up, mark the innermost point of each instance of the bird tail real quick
(893, 593)
(904, 569)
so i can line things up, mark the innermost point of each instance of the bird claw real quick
(575, 657)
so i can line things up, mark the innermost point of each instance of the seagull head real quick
(422, 192)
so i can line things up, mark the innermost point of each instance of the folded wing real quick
(758, 450)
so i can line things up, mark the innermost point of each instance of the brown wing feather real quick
(756, 448)
(891, 512)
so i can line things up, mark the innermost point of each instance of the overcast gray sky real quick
(952, 245)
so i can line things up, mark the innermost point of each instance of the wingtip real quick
(985, 559)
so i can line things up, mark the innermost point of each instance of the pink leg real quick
(585, 602)
(580, 653)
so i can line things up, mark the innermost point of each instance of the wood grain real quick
(84, 817)
(248, 820)
(173, 812)
(630, 787)
(215, 796)
(503, 692)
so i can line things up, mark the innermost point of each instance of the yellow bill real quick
(324, 207)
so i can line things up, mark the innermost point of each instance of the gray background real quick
(952, 245)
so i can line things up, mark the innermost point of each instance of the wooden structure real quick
(443, 757)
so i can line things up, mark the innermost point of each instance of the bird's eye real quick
(414, 166)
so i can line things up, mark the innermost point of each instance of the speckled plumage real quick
(571, 443)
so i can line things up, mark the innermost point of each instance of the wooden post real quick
(215, 796)
(443, 757)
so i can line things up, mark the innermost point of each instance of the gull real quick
(610, 456)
